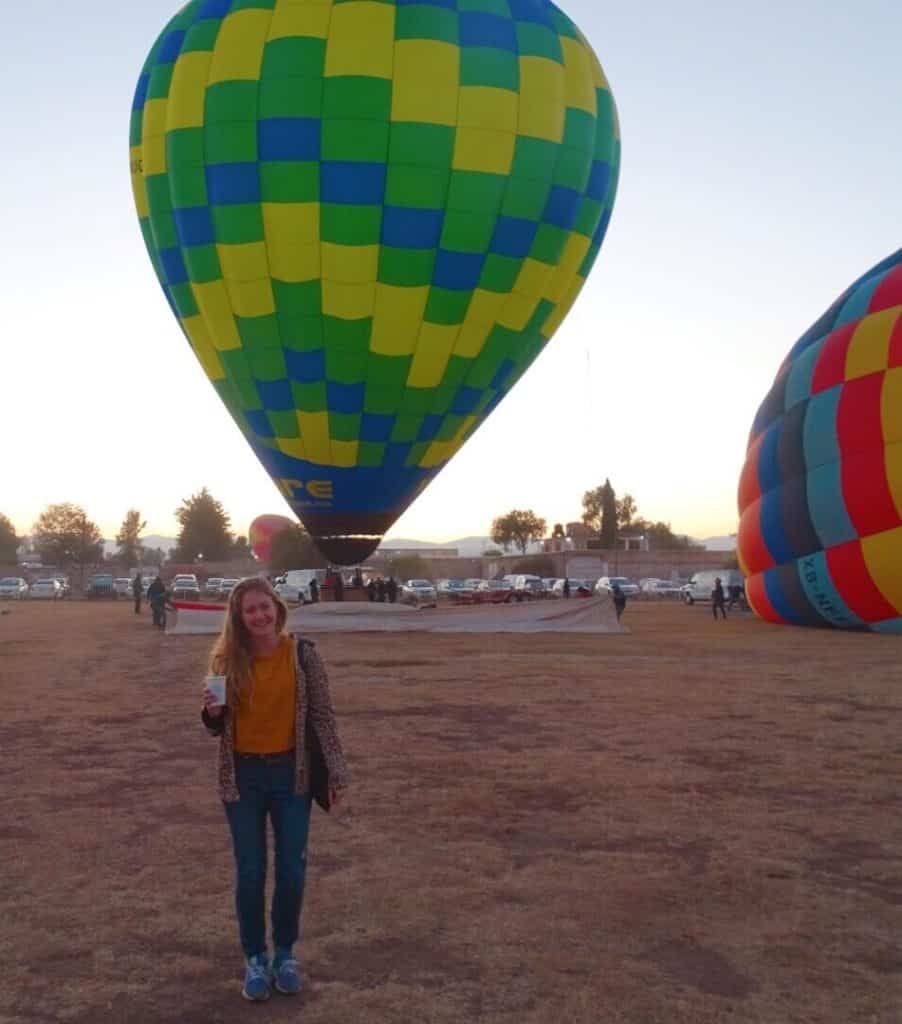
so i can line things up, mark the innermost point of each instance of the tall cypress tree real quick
(608, 516)
(9, 542)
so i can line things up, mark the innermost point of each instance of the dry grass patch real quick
(691, 823)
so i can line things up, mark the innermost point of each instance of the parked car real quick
(294, 585)
(578, 588)
(184, 577)
(660, 588)
(453, 588)
(491, 585)
(101, 584)
(185, 590)
(227, 586)
(701, 584)
(419, 592)
(548, 583)
(493, 592)
(46, 590)
(294, 594)
(123, 587)
(211, 588)
(627, 587)
(531, 586)
(13, 588)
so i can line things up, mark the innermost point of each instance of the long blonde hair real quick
(232, 655)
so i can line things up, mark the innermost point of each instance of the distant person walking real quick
(157, 596)
(566, 587)
(339, 587)
(735, 596)
(619, 600)
(391, 589)
(380, 590)
(137, 592)
(371, 590)
(277, 693)
(314, 591)
(718, 600)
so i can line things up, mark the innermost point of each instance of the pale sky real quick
(760, 177)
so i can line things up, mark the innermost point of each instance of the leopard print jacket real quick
(312, 699)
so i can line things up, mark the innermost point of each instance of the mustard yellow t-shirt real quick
(264, 724)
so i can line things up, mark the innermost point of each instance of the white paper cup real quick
(217, 686)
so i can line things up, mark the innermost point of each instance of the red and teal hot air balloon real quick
(369, 217)
(820, 498)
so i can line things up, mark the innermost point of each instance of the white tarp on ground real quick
(577, 615)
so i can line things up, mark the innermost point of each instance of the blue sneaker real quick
(256, 979)
(287, 974)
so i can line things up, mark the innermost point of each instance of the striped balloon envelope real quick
(820, 497)
(369, 217)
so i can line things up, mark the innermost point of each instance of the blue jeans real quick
(267, 788)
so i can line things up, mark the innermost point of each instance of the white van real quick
(295, 585)
(701, 584)
(531, 585)
(627, 587)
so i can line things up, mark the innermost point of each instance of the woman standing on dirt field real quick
(275, 687)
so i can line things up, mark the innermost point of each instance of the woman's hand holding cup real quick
(214, 695)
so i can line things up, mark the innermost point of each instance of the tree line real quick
(64, 536)
(606, 515)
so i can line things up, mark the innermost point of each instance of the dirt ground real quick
(694, 822)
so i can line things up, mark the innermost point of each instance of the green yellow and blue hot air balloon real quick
(369, 217)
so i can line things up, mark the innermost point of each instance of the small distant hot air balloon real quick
(821, 493)
(262, 531)
(369, 218)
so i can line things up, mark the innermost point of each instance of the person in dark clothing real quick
(566, 587)
(718, 600)
(380, 590)
(358, 578)
(735, 595)
(371, 590)
(339, 587)
(619, 600)
(314, 591)
(138, 592)
(157, 596)
(392, 589)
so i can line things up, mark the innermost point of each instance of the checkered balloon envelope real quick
(820, 496)
(369, 217)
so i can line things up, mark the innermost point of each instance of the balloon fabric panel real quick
(820, 495)
(369, 217)
(261, 532)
